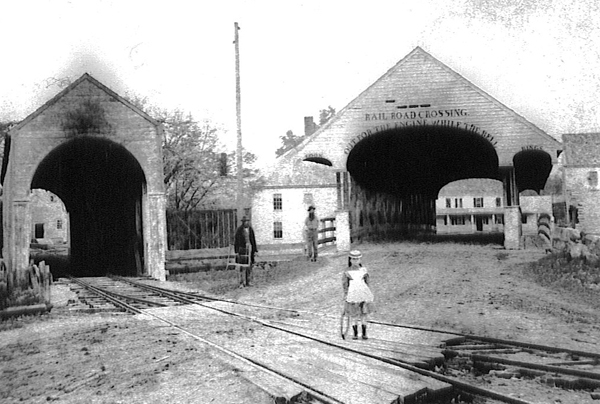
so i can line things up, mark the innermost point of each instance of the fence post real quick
(342, 230)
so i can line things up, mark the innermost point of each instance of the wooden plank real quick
(352, 366)
(368, 371)
(348, 377)
(280, 389)
(406, 352)
(333, 385)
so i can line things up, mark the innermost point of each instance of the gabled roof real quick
(69, 88)
(417, 52)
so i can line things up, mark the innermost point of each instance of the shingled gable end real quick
(86, 127)
(418, 92)
(420, 89)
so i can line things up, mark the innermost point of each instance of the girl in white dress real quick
(358, 296)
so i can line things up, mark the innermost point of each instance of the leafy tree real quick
(289, 141)
(190, 160)
(225, 195)
(325, 115)
(194, 172)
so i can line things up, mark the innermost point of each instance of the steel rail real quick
(493, 340)
(117, 298)
(536, 366)
(498, 341)
(456, 383)
(119, 303)
(405, 365)
(326, 399)
(114, 299)
(172, 294)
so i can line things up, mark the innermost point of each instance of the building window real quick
(593, 179)
(485, 220)
(59, 224)
(498, 202)
(277, 230)
(524, 219)
(277, 202)
(457, 220)
(448, 202)
(458, 202)
(499, 219)
(478, 202)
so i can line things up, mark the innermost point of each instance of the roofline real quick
(338, 114)
(62, 93)
(490, 97)
(417, 49)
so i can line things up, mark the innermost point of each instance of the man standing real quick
(244, 245)
(311, 230)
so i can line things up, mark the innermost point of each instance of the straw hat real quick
(355, 254)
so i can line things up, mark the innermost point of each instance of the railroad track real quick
(114, 294)
(465, 362)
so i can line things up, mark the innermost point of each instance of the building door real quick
(39, 230)
(479, 223)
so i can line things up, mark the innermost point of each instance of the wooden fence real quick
(198, 229)
(327, 231)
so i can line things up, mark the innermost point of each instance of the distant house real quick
(49, 218)
(470, 206)
(476, 205)
(279, 209)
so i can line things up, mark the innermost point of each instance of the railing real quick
(327, 231)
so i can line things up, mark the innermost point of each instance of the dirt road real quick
(104, 358)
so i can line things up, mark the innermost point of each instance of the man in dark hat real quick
(311, 231)
(244, 244)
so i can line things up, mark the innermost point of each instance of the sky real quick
(541, 58)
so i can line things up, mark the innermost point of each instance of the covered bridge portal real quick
(101, 185)
(398, 173)
(102, 157)
(418, 128)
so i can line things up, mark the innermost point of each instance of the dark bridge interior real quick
(101, 185)
(532, 168)
(398, 174)
(420, 160)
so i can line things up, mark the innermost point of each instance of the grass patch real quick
(12, 323)
(580, 280)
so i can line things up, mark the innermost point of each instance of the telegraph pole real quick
(238, 109)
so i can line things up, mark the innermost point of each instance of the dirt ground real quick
(110, 358)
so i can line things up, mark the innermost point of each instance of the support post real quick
(342, 230)
(512, 228)
(238, 110)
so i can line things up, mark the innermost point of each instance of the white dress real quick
(358, 290)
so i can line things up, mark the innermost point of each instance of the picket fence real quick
(199, 229)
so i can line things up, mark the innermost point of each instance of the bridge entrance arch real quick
(101, 185)
(398, 174)
(102, 156)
